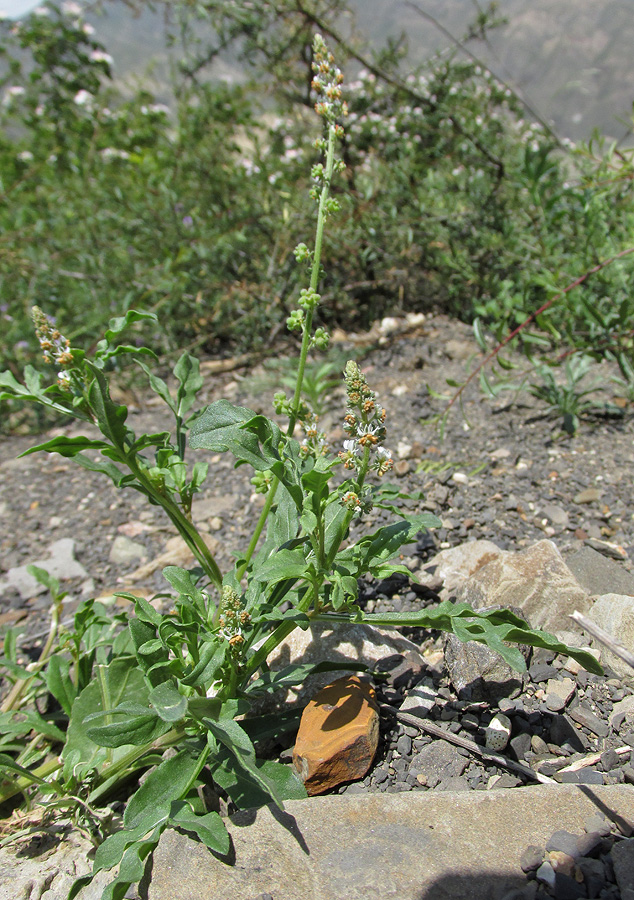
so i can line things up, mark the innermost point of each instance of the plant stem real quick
(306, 337)
(186, 528)
(18, 690)
(22, 783)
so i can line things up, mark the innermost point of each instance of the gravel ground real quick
(504, 473)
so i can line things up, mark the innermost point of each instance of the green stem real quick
(282, 631)
(17, 692)
(306, 337)
(186, 528)
(22, 783)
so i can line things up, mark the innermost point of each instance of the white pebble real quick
(498, 732)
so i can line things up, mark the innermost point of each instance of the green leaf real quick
(229, 733)
(385, 543)
(109, 853)
(119, 324)
(479, 335)
(272, 726)
(23, 722)
(496, 628)
(187, 371)
(132, 867)
(67, 446)
(110, 416)
(128, 723)
(168, 782)
(209, 828)
(250, 438)
(159, 386)
(8, 764)
(211, 659)
(297, 674)
(246, 791)
(120, 679)
(183, 582)
(169, 703)
(282, 565)
(109, 469)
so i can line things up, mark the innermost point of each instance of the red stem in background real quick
(532, 317)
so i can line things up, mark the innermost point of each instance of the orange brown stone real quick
(338, 735)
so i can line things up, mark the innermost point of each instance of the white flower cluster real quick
(365, 423)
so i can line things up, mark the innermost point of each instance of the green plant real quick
(185, 680)
(569, 400)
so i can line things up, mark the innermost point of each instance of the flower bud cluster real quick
(314, 443)
(308, 299)
(365, 424)
(233, 620)
(303, 254)
(262, 481)
(327, 82)
(55, 347)
(320, 339)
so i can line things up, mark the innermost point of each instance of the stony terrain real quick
(529, 518)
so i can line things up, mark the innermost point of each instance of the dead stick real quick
(471, 746)
(591, 759)
(604, 638)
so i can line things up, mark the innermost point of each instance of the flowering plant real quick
(186, 679)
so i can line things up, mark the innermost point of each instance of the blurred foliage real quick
(453, 199)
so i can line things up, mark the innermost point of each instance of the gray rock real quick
(596, 572)
(589, 495)
(586, 718)
(598, 824)
(614, 551)
(339, 643)
(623, 862)
(546, 874)
(556, 514)
(479, 673)
(60, 563)
(563, 841)
(532, 858)
(49, 872)
(536, 580)
(420, 700)
(623, 709)
(615, 614)
(384, 845)
(438, 759)
(125, 551)
(457, 564)
(558, 692)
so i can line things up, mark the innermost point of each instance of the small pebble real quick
(532, 858)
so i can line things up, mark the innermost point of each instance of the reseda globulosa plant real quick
(186, 679)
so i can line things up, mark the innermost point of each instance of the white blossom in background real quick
(100, 56)
(69, 8)
(109, 153)
(83, 97)
(14, 90)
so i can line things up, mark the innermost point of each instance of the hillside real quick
(571, 58)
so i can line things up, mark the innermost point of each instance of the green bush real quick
(451, 200)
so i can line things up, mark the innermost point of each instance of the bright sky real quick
(16, 8)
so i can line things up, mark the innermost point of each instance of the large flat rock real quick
(413, 846)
